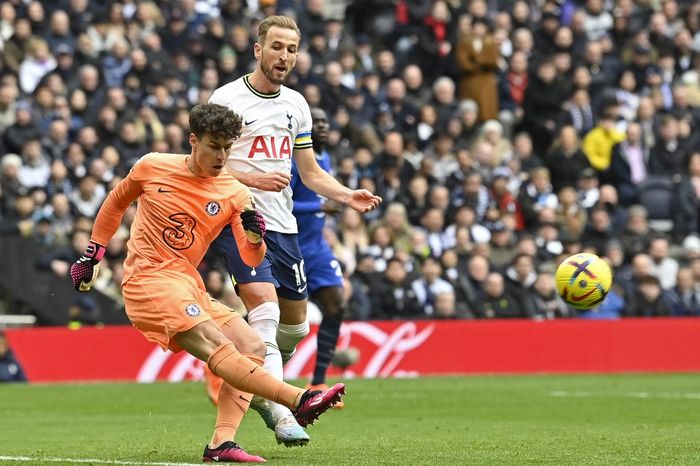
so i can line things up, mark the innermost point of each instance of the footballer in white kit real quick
(277, 126)
(274, 125)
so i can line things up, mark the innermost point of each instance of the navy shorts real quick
(282, 266)
(322, 267)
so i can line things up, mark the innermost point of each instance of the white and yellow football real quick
(583, 280)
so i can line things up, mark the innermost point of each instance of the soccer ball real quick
(583, 280)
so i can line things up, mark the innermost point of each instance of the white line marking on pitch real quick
(92, 461)
(665, 395)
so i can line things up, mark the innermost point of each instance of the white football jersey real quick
(273, 126)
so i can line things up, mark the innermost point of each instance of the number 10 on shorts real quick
(299, 272)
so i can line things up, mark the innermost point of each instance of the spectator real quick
(477, 58)
(8, 111)
(570, 214)
(536, 195)
(567, 160)
(520, 277)
(588, 188)
(36, 64)
(546, 301)
(542, 105)
(636, 230)
(599, 142)
(433, 223)
(445, 307)
(629, 165)
(10, 185)
(498, 302)
(88, 198)
(17, 46)
(24, 128)
(444, 99)
(641, 266)
(10, 368)
(430, 285)
(663, 266)
(35, 170)
(599, 231)
(352, 231)
(685, 295)
(501, 245)
(668, 156)
(396, 220)
(393, 297)
(417, 94)
(360, 305)
(579, 112)
(649, 299)
(60, 33)
(511, 90)
(524, 155)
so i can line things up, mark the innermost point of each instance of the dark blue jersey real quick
(307, 206)
(322, 268)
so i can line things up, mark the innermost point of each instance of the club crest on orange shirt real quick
(193, 310)
(213, 208)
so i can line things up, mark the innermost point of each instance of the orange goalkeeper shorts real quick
(163, 303)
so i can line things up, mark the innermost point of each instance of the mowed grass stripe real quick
(447, 420)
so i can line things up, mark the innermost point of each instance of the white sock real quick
(264, 320)
(289, 336)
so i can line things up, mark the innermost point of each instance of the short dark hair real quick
(215, 120)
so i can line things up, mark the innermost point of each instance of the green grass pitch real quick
(599, 419)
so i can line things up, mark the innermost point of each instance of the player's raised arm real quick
(84, 271)
(318, 180)
(248, 228)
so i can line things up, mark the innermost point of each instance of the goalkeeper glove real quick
(84, 271)
(254, 225)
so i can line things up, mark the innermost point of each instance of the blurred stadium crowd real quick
(501, 135)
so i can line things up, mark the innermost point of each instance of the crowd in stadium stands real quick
(501, 135)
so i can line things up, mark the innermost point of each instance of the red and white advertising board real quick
(388, 349)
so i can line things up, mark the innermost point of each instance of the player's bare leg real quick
(260, 298)
(330, 301)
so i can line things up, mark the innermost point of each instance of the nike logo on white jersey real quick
(250, 122)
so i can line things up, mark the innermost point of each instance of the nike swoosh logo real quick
(250, 122)
(161, 190)
(253, 370)
(301, 289)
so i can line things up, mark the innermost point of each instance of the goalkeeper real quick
(184, 201)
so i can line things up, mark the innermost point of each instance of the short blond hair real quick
(284, 22)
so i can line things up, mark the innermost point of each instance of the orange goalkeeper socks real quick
(242, 373)
(232, 404)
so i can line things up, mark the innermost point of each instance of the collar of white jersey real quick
(246, 80)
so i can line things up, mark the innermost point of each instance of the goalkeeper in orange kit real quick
(184, 202)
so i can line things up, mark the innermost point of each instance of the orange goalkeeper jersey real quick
(178, 215)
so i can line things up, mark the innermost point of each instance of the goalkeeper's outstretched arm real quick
(110, 215)
(84, 271)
